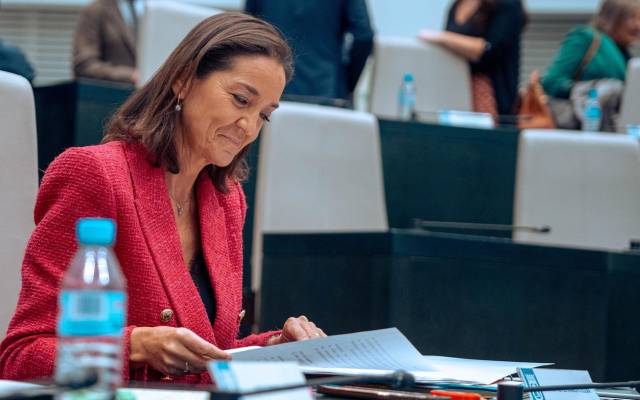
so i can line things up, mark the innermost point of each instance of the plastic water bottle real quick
(592, 113)
(407, 98)
(92, 308)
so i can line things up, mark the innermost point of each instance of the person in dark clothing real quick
(487, 33)
(13, 60)
(327, 64)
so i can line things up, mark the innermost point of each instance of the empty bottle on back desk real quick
(92, 307)
(407, 98)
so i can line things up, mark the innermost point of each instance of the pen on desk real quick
(457, 395)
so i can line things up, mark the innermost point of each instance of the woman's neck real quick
(465, 10)
(180, 185)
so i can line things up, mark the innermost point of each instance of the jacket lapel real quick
(225, 279)
(158, 225)
(116, 18)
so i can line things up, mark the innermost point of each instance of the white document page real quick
(160, 394)
(380, 352)
(484, 372)
(9, 387)
(384, 349)
(247, 376)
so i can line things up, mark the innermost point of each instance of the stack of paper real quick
(380, 352)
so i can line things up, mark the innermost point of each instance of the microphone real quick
(422, 224)
(399, 379)
(515, 390)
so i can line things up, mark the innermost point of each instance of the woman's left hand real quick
(295, 329)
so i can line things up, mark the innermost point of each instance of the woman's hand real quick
(470, 47)
(431, 36)
(173, 351)
(295, 329)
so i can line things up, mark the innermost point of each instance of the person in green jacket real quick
(618, 25)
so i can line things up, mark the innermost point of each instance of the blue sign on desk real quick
(548, 377)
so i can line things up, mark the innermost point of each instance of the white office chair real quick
(164, 24)
(585, 186)
(19, 182)
(320, 170)
(442, 79)
(630, 110)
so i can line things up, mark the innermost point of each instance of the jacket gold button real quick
(166, 315)
(241, 315)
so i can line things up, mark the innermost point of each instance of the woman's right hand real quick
(173, 351)
(431, 36)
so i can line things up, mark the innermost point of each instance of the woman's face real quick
(628, 31)
(224, 112)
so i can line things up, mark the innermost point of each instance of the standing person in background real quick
(487, 33)
(327, 65)
(609, 37)
(104, 45)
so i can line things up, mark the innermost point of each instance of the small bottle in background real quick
(592, 113)
(407, 98)
(633, 131)
(92, 312)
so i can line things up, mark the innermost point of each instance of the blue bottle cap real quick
(96, 231)
(408, 77)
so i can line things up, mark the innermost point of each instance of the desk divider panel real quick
(463, 296)
(445, 173)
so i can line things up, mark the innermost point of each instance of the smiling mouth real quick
(235, 141)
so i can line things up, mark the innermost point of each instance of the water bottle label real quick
(91, 313)
(592, 113)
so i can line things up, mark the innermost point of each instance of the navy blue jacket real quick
(326, 65)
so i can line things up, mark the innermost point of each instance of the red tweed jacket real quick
(116, 180)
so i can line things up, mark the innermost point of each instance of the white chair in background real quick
(319, 170)
(442, 79)
(585, 186)
(19, 182)
(630, 111)
(164, 24)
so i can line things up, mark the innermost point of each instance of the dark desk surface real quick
(463, 296)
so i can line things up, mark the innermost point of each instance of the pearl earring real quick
(178, 105)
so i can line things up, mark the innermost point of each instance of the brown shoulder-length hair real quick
(614, 13)
(149, 115)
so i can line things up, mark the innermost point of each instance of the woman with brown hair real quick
(168, 173)
(486, 33)
(598, 51)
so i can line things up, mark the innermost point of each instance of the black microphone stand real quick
(397, 380)
(422, 224)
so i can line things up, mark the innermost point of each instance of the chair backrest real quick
(442, 79)
(629, 113)
(19, 182)
(319, 170)
(586, 187)
(164, 24)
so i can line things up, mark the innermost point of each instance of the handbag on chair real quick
(538, 112)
